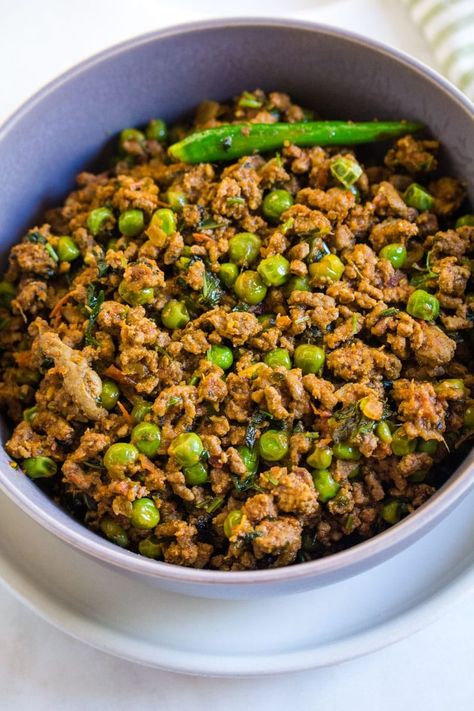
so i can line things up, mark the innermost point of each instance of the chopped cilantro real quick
(94, 302)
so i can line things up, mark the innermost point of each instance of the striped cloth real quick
(448, 25)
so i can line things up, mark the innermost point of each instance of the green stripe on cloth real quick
(433, 12)
(412, 3)
(448, 27)
(458, 54)
(451, 28)
(466, 79)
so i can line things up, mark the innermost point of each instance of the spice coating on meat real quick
(247, 364)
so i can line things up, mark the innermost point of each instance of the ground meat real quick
(294, 491)
(259, 507)
(360, 362)
(387, 201)
(448, 195)
(420, 409)
(79, 380)
(31, 259)
(89, 360)
(436, 348)
(452, 277)
(280, 538)
(335, 203)
(392, 230)
(322, 309)
(415, 156)
(237, 326)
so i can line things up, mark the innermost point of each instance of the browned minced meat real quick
(75, 336)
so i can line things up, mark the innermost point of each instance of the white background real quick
(44, 670)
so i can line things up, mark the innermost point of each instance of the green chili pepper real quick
(233, 141)
(346, 170)
(40, 467)
(416, 196)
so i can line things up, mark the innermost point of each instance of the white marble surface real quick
(43, 669)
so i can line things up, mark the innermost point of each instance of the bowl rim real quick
(338, 565)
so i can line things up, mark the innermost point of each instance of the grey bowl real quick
(64, 127)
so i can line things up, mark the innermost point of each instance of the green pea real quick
(321, 458)
(176, 198)
(278, 357)
(369, 406)
(250, 288)
(131, 134)
(418, 476)
(346, 451)
(174, 314)
(249, 458)
(401, 445)
(164, 222)
(325, 484)
(329, 269)
(395, 253)
(309, 358)
(221, 356)
(135, 297)
(40, 467)
(187, 449)
(140, 410)
(244, 248)
(131, 222)
(144, 514)
(196, 474)
(120, 455)
(228, 273)
(445, 387)
(147, 438)
(423, 305)
(275, 203)
(30, 413)
(114, 532)
(383, 432)
(416, 196)
(150, 547)
(232, 520)
(157, 130)
(109, 395)
(68, 250)
(99, 219)
(391, 512)
(469, 417)
(7, 293)
(275, 270)
(465, 221)
(429, 446)
(273, 445)
(296, 283)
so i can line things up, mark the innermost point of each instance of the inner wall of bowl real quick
(63, 130)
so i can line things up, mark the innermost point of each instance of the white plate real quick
(139, 622)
